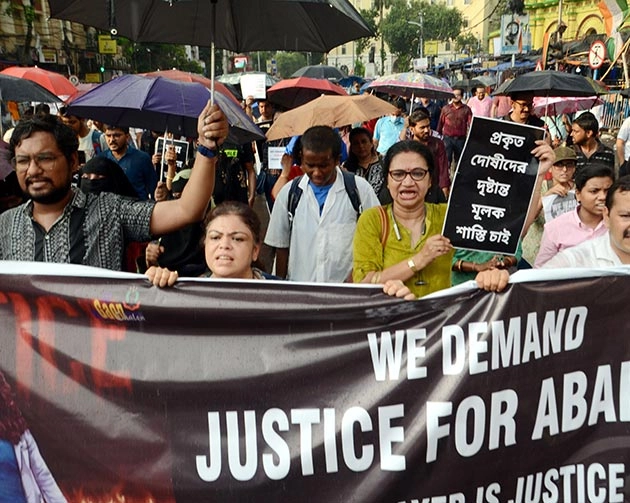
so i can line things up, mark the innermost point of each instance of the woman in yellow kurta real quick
(402, 240)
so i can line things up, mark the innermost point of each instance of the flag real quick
(614, 13)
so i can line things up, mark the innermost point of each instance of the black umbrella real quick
(320, 72)
(467, 84)
(241, 25)
(550, 83)
(16, 89)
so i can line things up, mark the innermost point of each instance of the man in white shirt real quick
(623, 147)
(91, 141)
(611, 249)
(316, 245)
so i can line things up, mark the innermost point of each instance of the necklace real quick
(397, 229)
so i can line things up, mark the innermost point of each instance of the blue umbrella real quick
(160, 104)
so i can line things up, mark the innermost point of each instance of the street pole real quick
(559, 39)
(420, 35)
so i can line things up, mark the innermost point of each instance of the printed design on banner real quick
(120, 311)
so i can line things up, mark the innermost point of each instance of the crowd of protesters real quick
(371, 210)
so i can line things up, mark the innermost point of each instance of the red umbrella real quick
(54, 82)
(193, 77)
(291, 93)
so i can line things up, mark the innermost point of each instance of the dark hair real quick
(417, 116)
(592, 171)
(319, 139)
(621, 185)
(65, 112)
(352, 163)
(12, 423)
(588, 122)
(409, 146)
(65, 137)
(247, 215)
(400, 104)
(42, 109)
(124, 129)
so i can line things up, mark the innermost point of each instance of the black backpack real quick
(350, 184)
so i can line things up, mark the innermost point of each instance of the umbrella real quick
(350, 81)
(320, 72)
(467, 84)
(500, 90)
(551, 83)
(160, 104)
(234, 79)
(240, 26)
(192, 77)
(54, 82)
(334, 111)
(563, 105)
(290, 25)
(410, 84)
(291, 93)
(16, 89)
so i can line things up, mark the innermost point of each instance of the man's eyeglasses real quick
(524, 104)
(42, 161)
(417, 174)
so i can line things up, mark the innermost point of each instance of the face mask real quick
(96, 186)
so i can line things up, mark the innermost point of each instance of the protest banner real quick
(493, 186)
(270, 391)
(181, 148)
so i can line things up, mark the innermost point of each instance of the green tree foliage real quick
(438, 21)
(289, 62)
(152, 57)
(370, 17)
(359, 68)
(467, 43)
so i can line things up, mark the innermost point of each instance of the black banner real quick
(272, 391)
(493, 186)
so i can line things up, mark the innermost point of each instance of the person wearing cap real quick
(560, 193)
(388, 128)
(583, 223)
(611, 249)
(453, 125)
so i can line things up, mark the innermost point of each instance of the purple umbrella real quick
(162, 105)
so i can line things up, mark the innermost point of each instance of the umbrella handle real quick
(213, 27)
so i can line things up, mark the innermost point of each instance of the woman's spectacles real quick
(416, 174)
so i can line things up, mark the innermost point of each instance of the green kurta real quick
(369, 255)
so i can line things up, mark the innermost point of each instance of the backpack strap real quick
(96, 142)
(295, 193)
(384, 225)
(350, 185)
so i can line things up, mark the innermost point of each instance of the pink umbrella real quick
(410, 84)
(291, 93)
(558, 105)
